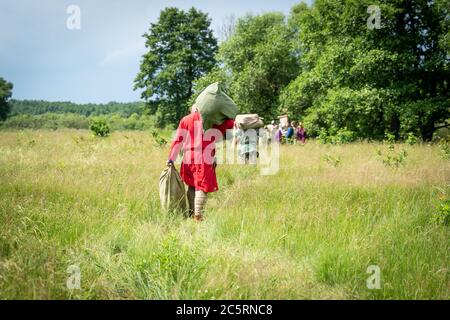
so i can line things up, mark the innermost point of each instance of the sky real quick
(45, 60)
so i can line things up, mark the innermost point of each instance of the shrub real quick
(99, 128)
(395, 159)
(411, 139)
(390, 138)
(340, 136)
(159, 141)
(335, 161)
(391, 157)
(344, 136)
(323, 136)
(444, 147)
(442, 216)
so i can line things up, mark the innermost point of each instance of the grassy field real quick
(309, 232)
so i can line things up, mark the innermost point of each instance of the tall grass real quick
(308, 232)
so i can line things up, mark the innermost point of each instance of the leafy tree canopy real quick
(181, 48)
(256, 63)
(371, 81)
(5, 94)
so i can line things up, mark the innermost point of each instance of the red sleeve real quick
(177, 142)
(224, 126)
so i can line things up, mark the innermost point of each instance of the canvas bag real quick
(172, 191)
(215, 106)
(249, 121)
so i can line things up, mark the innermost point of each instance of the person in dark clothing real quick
(300, 133)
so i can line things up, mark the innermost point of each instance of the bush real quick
(341, 136)
(391, 157)
(335, 161)
(99, 128)
(444, 147)
(344, 136)
(411, 139)
(442, 216)
(323, 136)
(159, 141)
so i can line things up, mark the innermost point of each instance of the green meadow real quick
(308, 232)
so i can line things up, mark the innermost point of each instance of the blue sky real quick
(98, 63)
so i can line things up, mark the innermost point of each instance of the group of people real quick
(292, 133)
(247, 143)
(200, 176)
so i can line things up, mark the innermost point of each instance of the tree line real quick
(54, 121)
(40, 114)
(322, 64)
(38, 107)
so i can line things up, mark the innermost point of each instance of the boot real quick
(198, 217)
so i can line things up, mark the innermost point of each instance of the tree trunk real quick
(395, 126)
(427, 131)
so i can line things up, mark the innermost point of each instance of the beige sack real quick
(249, 121)
(172, 191)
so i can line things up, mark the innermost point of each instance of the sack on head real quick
(215, 106)
(249, 121)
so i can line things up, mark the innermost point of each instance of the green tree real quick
(181, 48)
(444, 40)
(217, 74)
(371, 81)
(255, 63)
(5, 94)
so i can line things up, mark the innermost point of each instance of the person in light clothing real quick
(247, 145)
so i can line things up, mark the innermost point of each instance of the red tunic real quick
(197, 167)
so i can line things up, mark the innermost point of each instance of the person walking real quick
(247, 145)
(278, 134)
(289, 133)
(300, 133)
(198, 167)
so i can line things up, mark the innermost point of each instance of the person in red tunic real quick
(198, 167)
